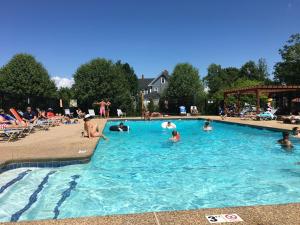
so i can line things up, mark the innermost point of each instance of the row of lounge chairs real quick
(11, 133)
(267, 115)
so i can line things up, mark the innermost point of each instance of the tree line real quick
(24, 80)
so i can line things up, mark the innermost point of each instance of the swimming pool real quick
(142, 171)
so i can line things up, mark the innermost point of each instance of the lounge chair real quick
(120, 113)
(194, 110)
(268, 115)
(68, 112)
(92, 112)
(27, 128)
(9, 134)
(182, 110)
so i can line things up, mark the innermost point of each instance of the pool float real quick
(164, 125)
(116, 128)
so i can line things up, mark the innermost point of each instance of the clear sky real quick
(150, 35)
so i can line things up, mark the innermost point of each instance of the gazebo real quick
(258, 91)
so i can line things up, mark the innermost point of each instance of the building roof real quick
(263, 89)
(144, 82)
(165, 74)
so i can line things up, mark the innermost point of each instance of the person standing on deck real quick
(107, 108)
(102, 105)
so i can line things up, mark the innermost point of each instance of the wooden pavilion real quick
(258, 91)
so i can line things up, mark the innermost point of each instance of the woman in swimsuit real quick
(107, 108)
(175, 136)
(91, 129)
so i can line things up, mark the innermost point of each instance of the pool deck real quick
(65, 143)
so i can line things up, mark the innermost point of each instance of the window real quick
(162, 80)
(156, 89)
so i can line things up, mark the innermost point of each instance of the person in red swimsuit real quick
(175, 136)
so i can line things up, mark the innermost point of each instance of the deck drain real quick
(224, 218)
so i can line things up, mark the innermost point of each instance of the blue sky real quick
(149, 35)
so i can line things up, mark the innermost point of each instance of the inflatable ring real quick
(116, 128)
(164, 125)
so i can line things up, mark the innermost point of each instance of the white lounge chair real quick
(68, 112)
(120, 113)
(194, 110)
(92, 112)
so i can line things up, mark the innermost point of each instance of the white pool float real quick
(164, 125)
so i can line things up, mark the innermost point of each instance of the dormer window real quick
(162, 80)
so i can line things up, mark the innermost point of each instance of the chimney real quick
(142, 76)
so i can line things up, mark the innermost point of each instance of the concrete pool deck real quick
(65, 143)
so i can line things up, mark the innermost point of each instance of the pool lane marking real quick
(13, 181)
(32, 199)
(65, 195)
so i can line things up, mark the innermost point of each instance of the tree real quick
(184, 84)
(130, 77)
(253, 71)
(101, 79)
(213, 80)
(288, 71)
(151, 106)
(24, 78)
(66, 94)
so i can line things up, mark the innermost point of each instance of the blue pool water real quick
(142, 171)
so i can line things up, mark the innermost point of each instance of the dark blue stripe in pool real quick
(65, 195)
(13, 181)
(32, 199)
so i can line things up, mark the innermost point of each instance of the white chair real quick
(120, 113)
(194, 110)
(92, 112)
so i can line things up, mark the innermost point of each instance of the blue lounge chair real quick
(182, 110)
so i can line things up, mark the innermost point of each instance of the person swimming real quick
(285, 141)
(296, 132)
(207, 126)
(121, 127)
(175, 136)
(170, 125)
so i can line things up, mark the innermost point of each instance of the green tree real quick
(184, 85)
(22, 78)
(151, 106)
(101, 79)
(254, 71)
(288, 70)
(65, 94)
(130, 77)
(213, 79)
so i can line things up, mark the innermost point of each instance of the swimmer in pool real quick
(170, 125)
(207, 126)
(296, 132)
(285, 141)
(175, 136)
(121, 127)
